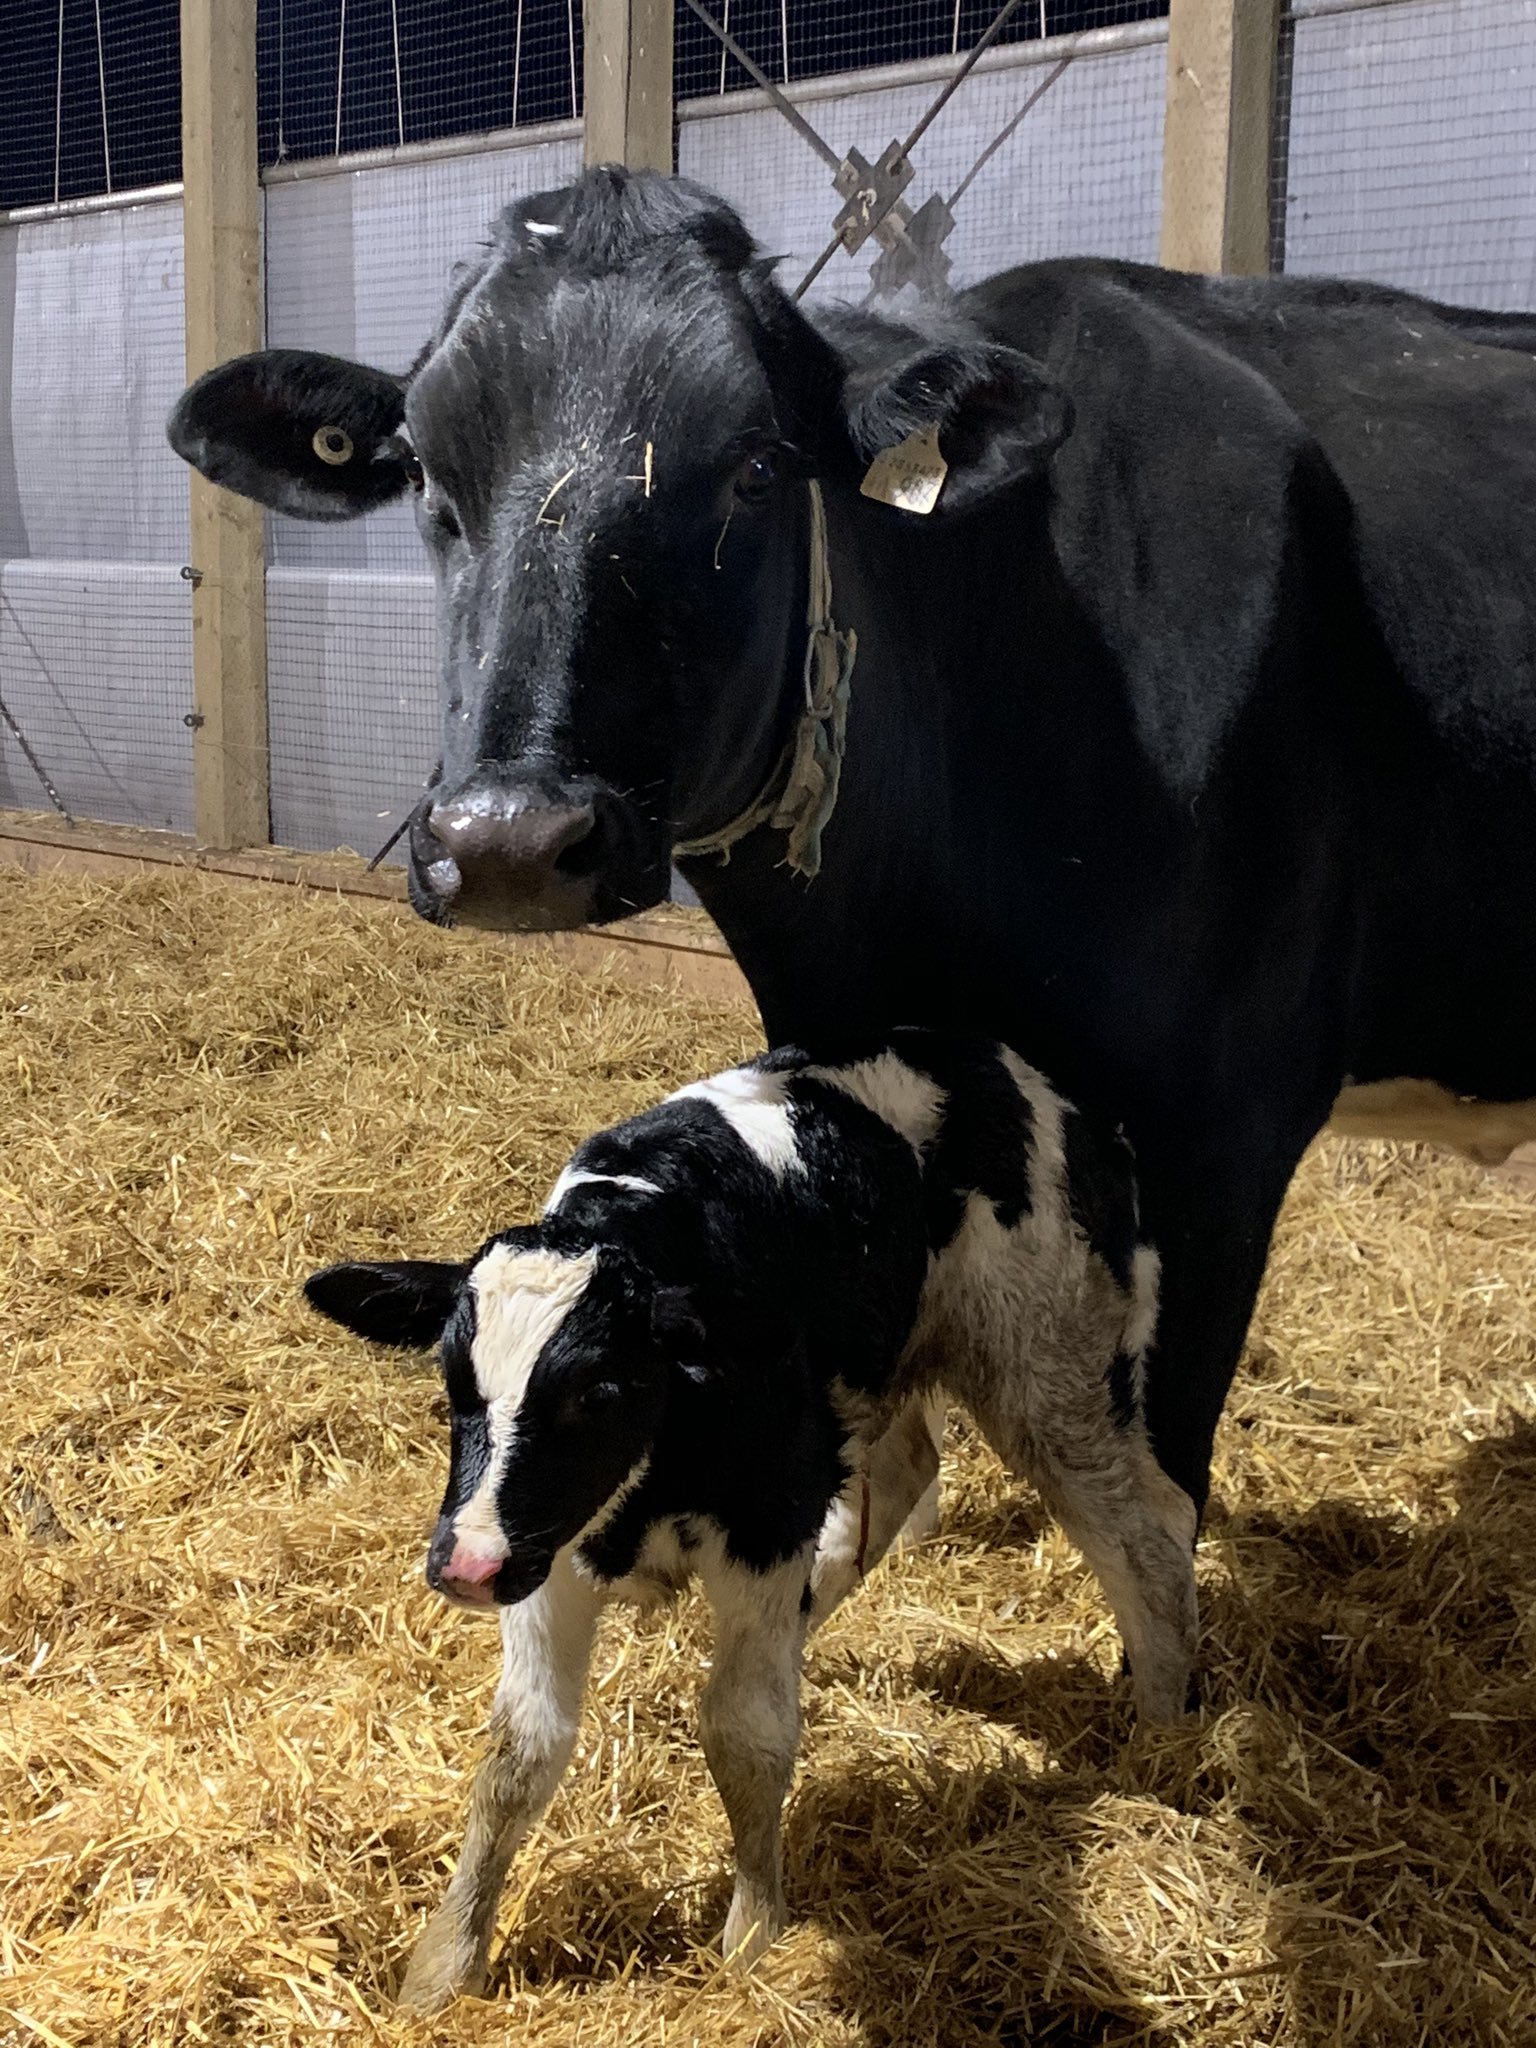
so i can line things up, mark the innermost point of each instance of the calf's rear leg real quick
(546, 1648)
(749, 1722)
(1136, 1529)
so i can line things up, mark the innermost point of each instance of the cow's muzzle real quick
(524, 856)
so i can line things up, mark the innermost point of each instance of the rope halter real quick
(801, 793)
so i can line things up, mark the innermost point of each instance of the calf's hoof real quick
(444, 1965)
(753, 1924)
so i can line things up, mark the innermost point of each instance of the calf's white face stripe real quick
(756, 1106)
(477, 1523)
(577, 1177)
(521, 1299)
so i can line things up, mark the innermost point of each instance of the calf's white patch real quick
(899, 1095)
(577, 1177)
(756, 1106)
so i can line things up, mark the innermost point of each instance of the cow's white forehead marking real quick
(898, 1094)
(542, 227)
(521, 1299)
(578, 1177)
(756, 1107)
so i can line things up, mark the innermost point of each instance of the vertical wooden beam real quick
(1218, 135)
(221, 225)
(627, 82)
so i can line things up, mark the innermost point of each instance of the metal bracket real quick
(869, 191)
(916, 256)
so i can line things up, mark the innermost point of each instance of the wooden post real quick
(1218, 136)
(221, 226)
(627, 79)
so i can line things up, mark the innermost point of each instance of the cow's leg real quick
(1213, 1240)
(749, 1721)
(901, 1469)
(546, 1647)
(1212, 1227)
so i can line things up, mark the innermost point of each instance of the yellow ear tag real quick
(333, 445)
(909, 476)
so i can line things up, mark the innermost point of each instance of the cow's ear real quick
(393, 1301)
(944, 426)
(314, 436)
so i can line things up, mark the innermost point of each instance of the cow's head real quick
(556, 1357)
(608, 441)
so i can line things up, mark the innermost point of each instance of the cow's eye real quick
(757, 475)
(415, 475)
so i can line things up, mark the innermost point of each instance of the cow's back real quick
(1389, 446)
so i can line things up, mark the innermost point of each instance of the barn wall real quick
(95, 617)
(1080, 175)
(1412, 148)
(1407, 152)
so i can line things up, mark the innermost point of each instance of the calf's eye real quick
(601, 1394)
(415, 475)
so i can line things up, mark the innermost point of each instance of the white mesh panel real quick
(95, 619)
(1081, 175)
(1412, 149)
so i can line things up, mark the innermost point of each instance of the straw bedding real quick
(235, 1726)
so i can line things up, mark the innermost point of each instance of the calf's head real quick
(607, 440)
(556, 1360)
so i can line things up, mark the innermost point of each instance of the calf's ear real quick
(393, 1301)
(309, 435)
(998, 419)
(678, 1329)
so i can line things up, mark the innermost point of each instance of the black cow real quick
(1190, 735)
(713, 1355)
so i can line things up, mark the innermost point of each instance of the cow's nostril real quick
(519, 835)
(584, 853)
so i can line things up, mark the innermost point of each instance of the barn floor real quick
(235, 1727)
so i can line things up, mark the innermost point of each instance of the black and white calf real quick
(716, 1354)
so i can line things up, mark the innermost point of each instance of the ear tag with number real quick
(909, 476)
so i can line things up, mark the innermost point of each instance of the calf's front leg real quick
(546, 1648)
(749, 1722)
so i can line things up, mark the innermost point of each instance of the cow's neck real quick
(953, 697)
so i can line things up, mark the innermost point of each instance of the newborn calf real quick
(714, 1354)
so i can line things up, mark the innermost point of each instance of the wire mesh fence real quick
(343, 75)
(1037, 147)
(1410, 146)
(795, 40)
(990, 133)
(95, 616)
(92, 98)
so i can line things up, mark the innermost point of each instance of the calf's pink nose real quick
(471, 1571)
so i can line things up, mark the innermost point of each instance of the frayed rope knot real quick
(801, 793)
